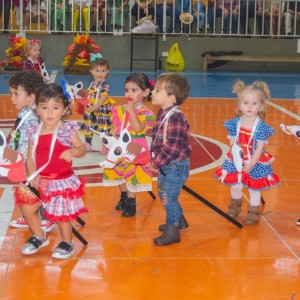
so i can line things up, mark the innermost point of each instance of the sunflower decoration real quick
(77, 59)
(15, 54)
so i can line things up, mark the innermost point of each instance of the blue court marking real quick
(203, 85)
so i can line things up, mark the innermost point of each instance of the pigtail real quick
(238, 87)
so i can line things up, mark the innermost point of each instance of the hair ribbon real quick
(94, 57)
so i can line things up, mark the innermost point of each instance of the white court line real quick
(6, 210)
(53, 76)
(291, 114)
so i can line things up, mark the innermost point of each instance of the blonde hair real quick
(32, 43)
(259, 87)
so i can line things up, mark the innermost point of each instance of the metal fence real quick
(260, 18)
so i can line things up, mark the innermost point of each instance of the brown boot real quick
(183, 224)
(171, 235)
(252, 216)
(234, 207)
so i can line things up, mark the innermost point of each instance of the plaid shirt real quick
(23, 138)
(177, 145)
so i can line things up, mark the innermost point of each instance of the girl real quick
(52, 146)
(137, 118)
(247, 164)
(98, 114)
(34, 61)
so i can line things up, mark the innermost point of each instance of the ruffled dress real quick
(100, 119)
(60, 189)
(261, 176)
(137, 177)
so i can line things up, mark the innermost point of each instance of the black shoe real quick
(298, 222)
(183, 224)
(130, 208)
(122, 201)
(170, 236)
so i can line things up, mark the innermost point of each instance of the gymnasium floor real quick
(215, 259)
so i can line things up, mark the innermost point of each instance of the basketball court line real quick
(7, 203)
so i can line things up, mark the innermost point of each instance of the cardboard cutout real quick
(12, 163)
(293, 130)
(123, 149)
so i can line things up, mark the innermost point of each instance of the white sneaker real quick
(19, 223)
(47, 225)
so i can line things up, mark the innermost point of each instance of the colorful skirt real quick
(137, 177)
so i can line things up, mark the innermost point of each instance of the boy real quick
(170, 151)
(22, 86)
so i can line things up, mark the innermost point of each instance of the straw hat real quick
(141, 21)
(186, 18)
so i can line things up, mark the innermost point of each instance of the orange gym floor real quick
(214, 260)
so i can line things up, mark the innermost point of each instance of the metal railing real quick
(259, 18)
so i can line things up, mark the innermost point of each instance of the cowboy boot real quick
(122, 201)
(234, 207)
(183, 224)
(170, 235)
(252, 216)
(130, 208)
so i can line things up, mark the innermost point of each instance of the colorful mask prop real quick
(123, 149)
(292, 130)
(44, 73)
(77, 92)
(12, 163)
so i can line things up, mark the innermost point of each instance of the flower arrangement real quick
(77, 59)
(15, 54)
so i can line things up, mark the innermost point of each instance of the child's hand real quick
(35, 182)
(129, 107)
(247, 167)
(151, 168)
(103, 150)
(67, 155)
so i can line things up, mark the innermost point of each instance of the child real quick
(137, 118)
(251, 167)
(52, 146)
(35, 10)
(80, 7)
(170, 150)
(22, 86)
(34, 61)
(98, 114)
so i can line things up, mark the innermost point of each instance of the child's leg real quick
(38, 239)
(123, 197)
(85, 13)
(75, 18)
(33, 218)
(236, 200)
(253, 208)
(130, 205)
(170, 181)
(65, 249)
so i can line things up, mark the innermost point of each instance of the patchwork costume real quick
(100, 119)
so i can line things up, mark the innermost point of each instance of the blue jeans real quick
(171, 178)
